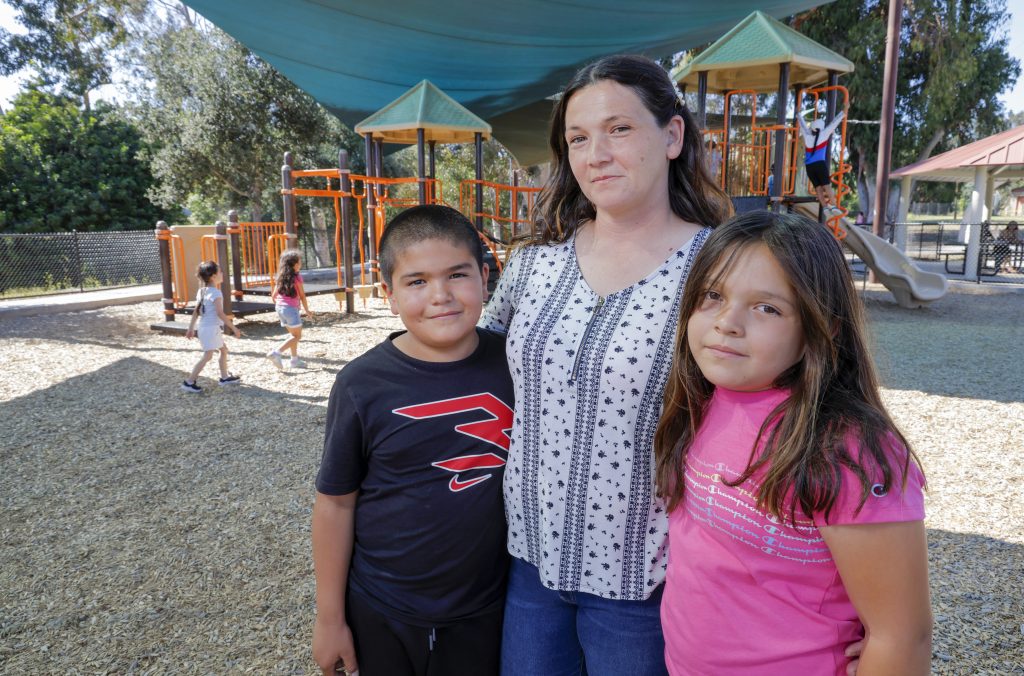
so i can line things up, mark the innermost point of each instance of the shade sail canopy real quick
(495, 58)
(748, 57)
(425, 107)
(1002, 153)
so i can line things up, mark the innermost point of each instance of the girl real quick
(287, 295)
(795, 504)
(209, 313)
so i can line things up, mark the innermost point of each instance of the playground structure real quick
(761, 165)
(424, 115)
(181, 248)
(374, 199)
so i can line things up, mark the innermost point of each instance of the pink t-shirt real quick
(290, 301)
(746, 594)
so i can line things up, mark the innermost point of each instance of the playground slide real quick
(911, 286)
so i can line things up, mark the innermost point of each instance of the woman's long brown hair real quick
(834, 393)
(693, 194)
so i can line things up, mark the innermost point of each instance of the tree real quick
(65, 170)
(953, 64)
(69, 42)
(220, 119)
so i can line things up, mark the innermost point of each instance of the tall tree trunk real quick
(321, 242)
(865, 184)
(256, 201)
(926, 152)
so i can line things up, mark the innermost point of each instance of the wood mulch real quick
(146, 530)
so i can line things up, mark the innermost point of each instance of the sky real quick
(1013, 100)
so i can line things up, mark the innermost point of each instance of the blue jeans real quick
(553, 633)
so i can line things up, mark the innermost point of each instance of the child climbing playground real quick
(819, 171)
(209, 314)
(288, 295)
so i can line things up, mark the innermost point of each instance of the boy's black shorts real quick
(388, 647)
(817, 172)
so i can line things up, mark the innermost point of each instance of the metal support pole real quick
(778, 165)
(234, 235)
(346, 231)
(901, 234)
(221, 231)
(371, 205)
(892, 57)
(515, 205)
(78, 263)
(421, 168)
(725, 145)
(434, 197)
(164, 245)
(478, 140)
(289, 202)
(702, 99)
(830, 113)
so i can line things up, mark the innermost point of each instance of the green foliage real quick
(64, 169)
(455, 163)
(219, 121)
(69, 42)
(953, 64)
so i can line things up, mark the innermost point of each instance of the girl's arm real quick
(219, 304)
(191, 331)
(884, 567)
(333, 535)
(805, 132)
(302, 297)
(831, 128)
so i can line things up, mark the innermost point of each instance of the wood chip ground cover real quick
(146, 530)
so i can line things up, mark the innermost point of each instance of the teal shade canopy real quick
(501, 60)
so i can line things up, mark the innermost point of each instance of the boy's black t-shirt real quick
(425, 443)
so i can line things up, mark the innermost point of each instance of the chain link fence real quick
(35, 264)
(941, 247)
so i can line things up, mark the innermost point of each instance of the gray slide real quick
(911, 286)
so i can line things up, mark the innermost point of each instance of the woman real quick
(1009, 237)
(590, 307)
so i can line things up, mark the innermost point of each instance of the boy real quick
(408, 523)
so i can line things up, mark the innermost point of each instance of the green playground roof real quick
(748, 56)
(501, 60)
(442, 118)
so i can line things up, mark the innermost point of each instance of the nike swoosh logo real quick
(468, 462)
(455, 485)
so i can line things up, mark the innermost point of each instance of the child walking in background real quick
(209, 314)
(795, 504)
(288, 294)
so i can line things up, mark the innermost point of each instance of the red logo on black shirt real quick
(494, 430)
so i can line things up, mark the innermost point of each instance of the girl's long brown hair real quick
(286, 273)
(693, 194)
(833, 388)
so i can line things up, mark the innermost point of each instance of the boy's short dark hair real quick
(420, 223)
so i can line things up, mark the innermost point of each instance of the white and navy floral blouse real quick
(589, 375)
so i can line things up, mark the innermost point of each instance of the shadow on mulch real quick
(963, 345)
(147, 529)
